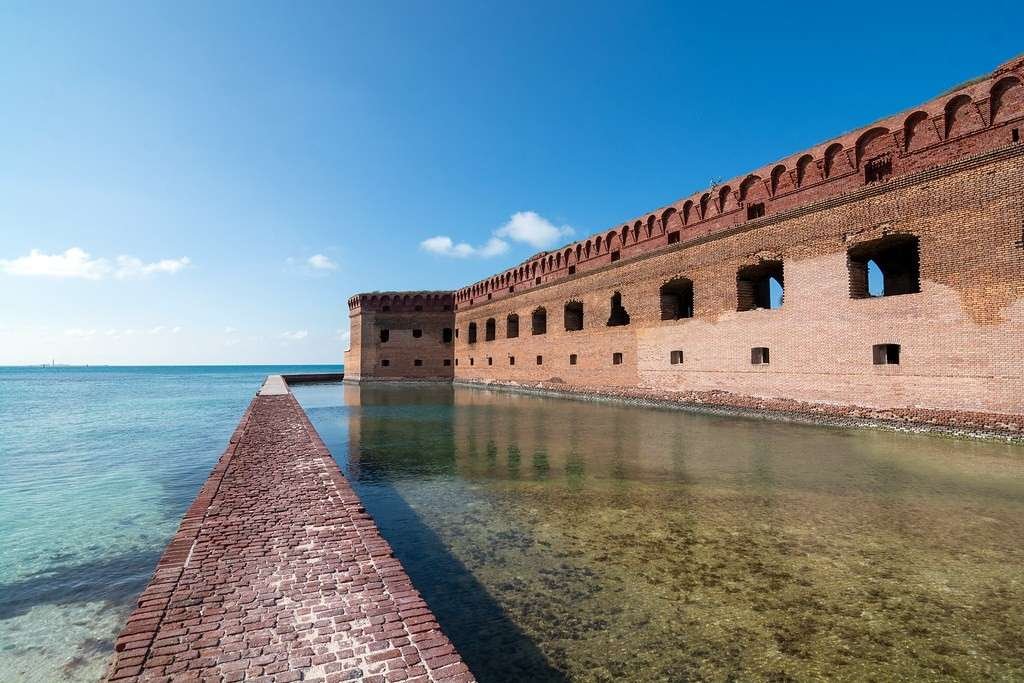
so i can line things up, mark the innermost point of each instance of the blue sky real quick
(209, 182)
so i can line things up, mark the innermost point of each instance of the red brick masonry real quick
(277, 573)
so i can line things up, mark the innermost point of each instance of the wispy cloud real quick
(526, 227)
(80, 333)
(296, 335)
(321, 262)
(230, 330)
(78, 263)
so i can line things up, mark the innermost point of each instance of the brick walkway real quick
(278, 574)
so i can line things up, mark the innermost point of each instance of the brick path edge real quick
(256, 585)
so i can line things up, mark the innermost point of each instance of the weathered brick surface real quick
(277, 573)
(955, 184)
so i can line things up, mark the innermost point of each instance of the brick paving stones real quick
(277, 573)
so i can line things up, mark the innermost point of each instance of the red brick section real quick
(277, 573)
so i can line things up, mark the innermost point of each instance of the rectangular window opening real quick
(1015, 135)
(878, 169)
(572, 270)
(886, 354)
(537, 281)
(385, 334)
(417, 362)
(759, 355)
(446, 335)
(673, 237)
(385, 362)
(616, 358)
(615, 256)
(572, 359)
(417, 333)
(675, 357)
(540, 360)
(755, 211)
(511, 360)
(490, 360)
(447, 362)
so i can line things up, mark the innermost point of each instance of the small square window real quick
(385, 335)
(385, 308)
(673, 237)
(537, 281)
(886, 354)
(759, 355)
(417, 362)
(572, 359)
(511, 360)
(616, 359)
(615, 256)
(511, 288)
(540, 360)
(385, 363)
(572, 270)
(755, 211)
(417, 333)
(675, 357)
(447, 362)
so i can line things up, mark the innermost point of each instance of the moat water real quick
(565, 540)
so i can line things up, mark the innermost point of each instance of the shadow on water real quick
(491, 644)
(114, 580)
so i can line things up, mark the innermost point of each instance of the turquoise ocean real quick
(97, 466)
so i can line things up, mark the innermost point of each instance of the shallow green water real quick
(560, 539)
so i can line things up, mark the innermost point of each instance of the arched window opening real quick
(539, 322)
(885, 267)
(471, 333)
(512, 326)
(619, 316)
(759, 286)
(677, 299)
(573, 316)
(489, 329)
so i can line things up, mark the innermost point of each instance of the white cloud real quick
(156, 330)
(531, 228)
(230, 330)
(444, 246)
(176, 329)
(296, 335)
(80, 333)
(111, 332)
(131, 267)
(321, 262)
(78, 263)
(526, 227)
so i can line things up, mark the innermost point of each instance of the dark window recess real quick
(511, 360)
(385, 308)
(616, 359)
(573, 316)
(471, 360)
(417, 308)
(879, 168)
(384, 363)
(754, 286)
(417, 333)
(456, 333)
(471, 332)
(886, 354)
(511, 288)
(755, 210)
(675, 357)
(759, 355)
(447, 362)
(615, 256)
(572, 270)
(490, 328)
(673, 237)
(417, 362)
(537, 281)
(540, 360)
(512, 326)
(447, 307)
(677, 299)
(572, 359)
(490, 361)
(885, 267)
(1015, 135)
(488, 297)
(618, 316)
(446, 335)
(539, 322)
(385, 335)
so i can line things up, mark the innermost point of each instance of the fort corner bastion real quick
(683, 300)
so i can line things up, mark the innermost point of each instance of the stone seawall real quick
(277, 573)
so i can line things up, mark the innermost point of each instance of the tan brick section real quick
(277, 573)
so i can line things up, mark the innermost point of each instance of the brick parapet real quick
(278, 572)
